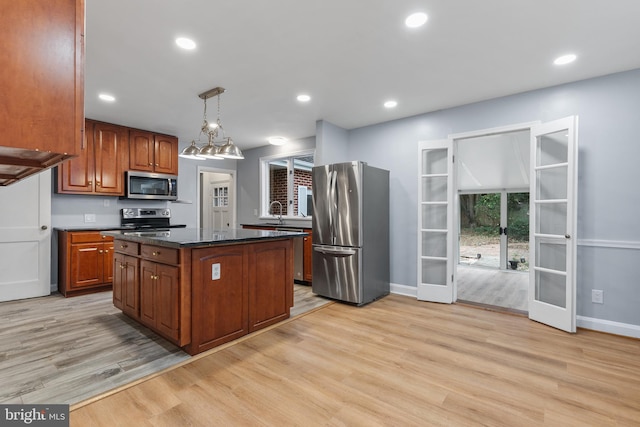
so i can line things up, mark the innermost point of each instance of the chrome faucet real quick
(280, 216)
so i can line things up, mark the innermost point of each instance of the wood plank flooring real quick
(66, 350)
(494, 287)
(394, 362)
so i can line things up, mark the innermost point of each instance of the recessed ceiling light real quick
(416, 20)
(303, 98)
(565, 59)
(277, 140)
(107, 97)
(390, 104)
(185, 43)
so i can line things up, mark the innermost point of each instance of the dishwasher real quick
(298, 248)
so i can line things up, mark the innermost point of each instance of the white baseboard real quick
(601, 325)
(408, 291)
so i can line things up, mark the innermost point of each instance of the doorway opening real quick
(493, 219)
(217, 199)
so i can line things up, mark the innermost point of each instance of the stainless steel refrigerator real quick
(350, 232)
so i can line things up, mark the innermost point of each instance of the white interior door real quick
(552, 284)
(25, 238)
(435, 220)
(220, 206)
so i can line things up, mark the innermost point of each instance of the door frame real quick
(232, 188)
(573, 166)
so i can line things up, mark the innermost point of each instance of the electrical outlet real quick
(215, 271)
(597, 296)
(89, 217)
(255, 212)
(106, 203)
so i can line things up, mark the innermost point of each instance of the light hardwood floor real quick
(66, 350)
(394, 362)
(493, 287)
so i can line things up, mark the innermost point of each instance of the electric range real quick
(138, 219)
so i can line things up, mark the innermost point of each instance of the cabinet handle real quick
(123, 246)
(98, 183)
(100, 251)
(90, 183)
(150, 164)
(156, 253)
(122, 266)
(156, 164)
(106, 251)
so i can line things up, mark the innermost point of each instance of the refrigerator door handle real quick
(333, 204)
(335, 252)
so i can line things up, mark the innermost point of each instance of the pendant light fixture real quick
(226, 150)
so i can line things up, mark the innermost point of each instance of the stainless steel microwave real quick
(151, 186)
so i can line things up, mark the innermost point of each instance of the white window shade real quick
(493, 162)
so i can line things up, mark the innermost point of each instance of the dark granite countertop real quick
(199, 237)
(275, 224)
(105, 228)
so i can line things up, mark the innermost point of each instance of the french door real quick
(552, 283)
(435, 218)
(552, 223)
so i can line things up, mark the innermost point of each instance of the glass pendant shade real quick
(230, 151)
(191, 152)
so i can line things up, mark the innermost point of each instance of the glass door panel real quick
(552, 290)
(434, 241)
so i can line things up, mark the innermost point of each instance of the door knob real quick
(44, 227)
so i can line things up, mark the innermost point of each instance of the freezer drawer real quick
(337, 273)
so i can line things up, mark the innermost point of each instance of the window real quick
(287, 180)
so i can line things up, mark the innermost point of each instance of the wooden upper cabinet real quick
(111, 143)
(77, 175)
(141, 150)
(42, 81)
(153, 152)
(99, 169)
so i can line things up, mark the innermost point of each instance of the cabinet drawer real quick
(125, 247)
(88, 237)
(159, 254)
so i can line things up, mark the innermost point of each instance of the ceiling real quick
(349, 55)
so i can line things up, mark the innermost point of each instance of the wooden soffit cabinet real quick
(42, 112)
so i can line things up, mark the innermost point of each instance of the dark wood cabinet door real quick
(219, 310)
(141, 150)
(166, 154)
(148, 293)
(307, 260)
(270, 283)
(77, 175)
(87, 260)
(107, 262)
(110, 153)
(167, 300)
(118, 280)
(41, 76)
(130, 286)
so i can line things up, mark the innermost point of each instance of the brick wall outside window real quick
(278, 188)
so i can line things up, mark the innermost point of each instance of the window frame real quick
(288, 157)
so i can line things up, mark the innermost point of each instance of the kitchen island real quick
(200, 288)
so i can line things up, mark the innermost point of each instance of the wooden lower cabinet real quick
(199, 298)
(239, 289)
(159, 298)
(126, 284)
(307, 259)
(85, 263)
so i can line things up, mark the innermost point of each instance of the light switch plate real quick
(89, 217)
(215, 271)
